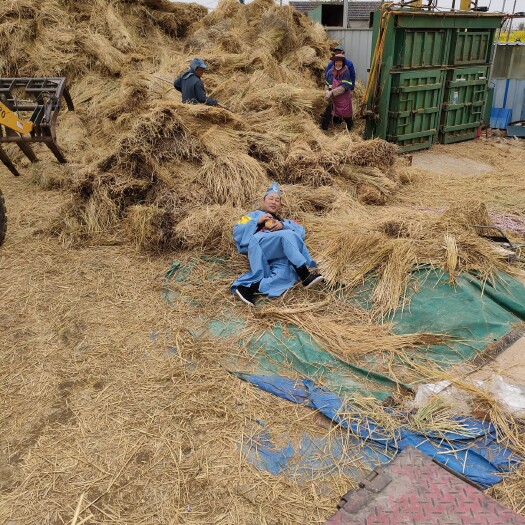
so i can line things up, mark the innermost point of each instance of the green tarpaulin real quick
(476, 314)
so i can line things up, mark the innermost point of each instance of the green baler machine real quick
(428, 75)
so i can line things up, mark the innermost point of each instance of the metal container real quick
(414, 108)
(471, 47)
(463, 104)
(420, 48)
(421, 90)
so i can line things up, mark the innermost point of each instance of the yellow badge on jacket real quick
(245, 219)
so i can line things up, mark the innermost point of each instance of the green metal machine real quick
(428, 75)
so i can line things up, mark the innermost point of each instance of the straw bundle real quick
(266, 148)
(302, 165)
(212, 115)
(374, 153)
(56, 46)
(347, 255)
(235, 179)
(217, 139)
(209, 229)
(121, 36)
(304, 56)
(373, 186)
(159, 138)
(283, 96)
(172, 17)
(133, 92)
(103, 52)
(17, 23)
(225, 10)
(297, 198)
(146, 226)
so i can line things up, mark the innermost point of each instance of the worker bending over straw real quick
(276, 251)
(191, 86)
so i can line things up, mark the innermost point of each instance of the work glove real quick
(328, 94)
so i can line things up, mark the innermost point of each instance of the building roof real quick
(356, 10)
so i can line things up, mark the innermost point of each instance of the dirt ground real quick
(79, 326)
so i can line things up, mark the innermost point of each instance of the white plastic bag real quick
(512, 397)
(426, 391)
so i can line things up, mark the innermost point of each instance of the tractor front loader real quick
(29, 109)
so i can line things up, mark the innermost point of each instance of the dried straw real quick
(124, 397)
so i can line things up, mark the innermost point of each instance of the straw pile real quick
(136, 150)
(167, 176)
(147, 420)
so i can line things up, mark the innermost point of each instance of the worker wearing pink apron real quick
(339, 94)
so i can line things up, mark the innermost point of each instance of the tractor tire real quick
(3, 219)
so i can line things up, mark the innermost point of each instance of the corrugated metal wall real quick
(358, 47)
(508, 79)
(515, 98)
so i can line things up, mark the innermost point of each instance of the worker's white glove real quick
(328, 94)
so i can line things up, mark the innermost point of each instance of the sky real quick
(493, 5)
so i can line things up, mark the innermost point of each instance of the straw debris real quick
(124, 410)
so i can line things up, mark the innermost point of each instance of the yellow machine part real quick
(11, 121)
(464, 5)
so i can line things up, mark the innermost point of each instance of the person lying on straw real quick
(276, 250)
(191, 85)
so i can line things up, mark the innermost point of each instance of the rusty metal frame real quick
(42, 99)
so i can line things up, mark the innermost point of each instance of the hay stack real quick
(145, 158)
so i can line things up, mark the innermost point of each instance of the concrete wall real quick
(357, 44)
(509, 61)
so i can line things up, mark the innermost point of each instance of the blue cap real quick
(198, 63)
(274, 188)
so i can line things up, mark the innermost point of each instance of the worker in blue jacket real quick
(276, 251)
(328, 116)
(191, 85)
(338, 50)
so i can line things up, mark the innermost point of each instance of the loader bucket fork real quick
(40, 101)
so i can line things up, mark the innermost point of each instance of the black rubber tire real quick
(3, 219)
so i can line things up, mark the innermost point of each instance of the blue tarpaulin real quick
(313, 456)
(474, 453)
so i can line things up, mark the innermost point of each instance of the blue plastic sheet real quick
(474, 454)
(313, 456)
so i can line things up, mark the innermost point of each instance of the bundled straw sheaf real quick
(350, 249)
(208, 229)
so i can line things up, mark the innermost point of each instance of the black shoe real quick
(245, 294)
(312, 280)
(302, 271)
